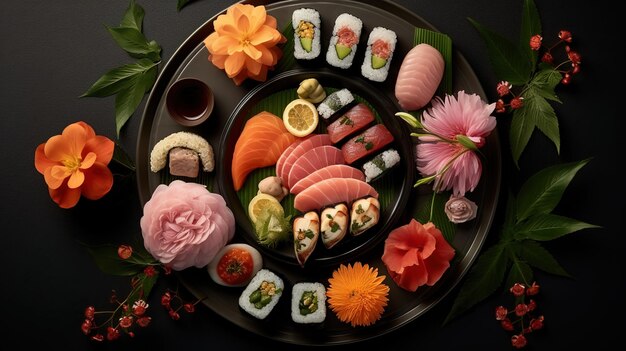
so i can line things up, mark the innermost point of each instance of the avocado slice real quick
(378, 62)
(307, 44)
(342, 51)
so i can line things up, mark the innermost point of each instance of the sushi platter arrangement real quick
(315, 166)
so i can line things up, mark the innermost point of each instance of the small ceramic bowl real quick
(189, 101)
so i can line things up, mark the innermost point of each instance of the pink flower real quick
(416, 254)
(443, 153)
(185, 225)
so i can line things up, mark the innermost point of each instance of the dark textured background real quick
(52, 51)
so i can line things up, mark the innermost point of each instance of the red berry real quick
(144, 321)
(574, 56)
(566, 36)
(533, 289)
(518, 341)
(536, 323)
(507, 325)
(517, 289)
(501, 313)
(126, 321)
(503, 88)
(521, 309)
(112, 333)
(174, 315)
(516, 103)
(124, 251)
(566, 79)
(575, 69)
(500, 106)
(189, 307)
(532, 305)
(97, 337)
(547, 58)
(149, 271)
(86, 327)
(535, 42)
(165, 299)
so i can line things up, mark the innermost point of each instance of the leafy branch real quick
(130, 82)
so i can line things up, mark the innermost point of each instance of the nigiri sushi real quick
(419, 76)
(332, 191)
(313, 160)
(368, 142)
(355, 119)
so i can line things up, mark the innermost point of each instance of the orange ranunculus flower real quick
(244, 43)
(75, 163)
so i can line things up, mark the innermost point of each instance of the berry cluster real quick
(525, 319)
(173, 298)
(121, 320)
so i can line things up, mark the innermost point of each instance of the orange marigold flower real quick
(75, 163)
(357, 294)
(244, 43)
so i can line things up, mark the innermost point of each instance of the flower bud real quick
(459, 209)
(535, 42)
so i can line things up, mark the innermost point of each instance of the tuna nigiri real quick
(352, 121)
(370, 141)
(419, 76)
(263, 139)
(306, 145)
(332, 191)
(333, 171)
(313, 160)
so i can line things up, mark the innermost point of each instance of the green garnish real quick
(308, 303)
(346, 121)
(369, 145)
(271, 228)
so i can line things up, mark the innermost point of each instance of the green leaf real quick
(121, 157)
(182, 3)
(537, 256)
(143, 288)
(544, 117)
(544, 227)
(135, 43)
(133, 17)
(443, 43)
(466, 142)
(287, 61)
(508, 62)
(483, 279)
(545, 81)
(118, 79)
(531, 25)
(522, 127)
(520, 271)
(127, 100)
(543, 191)
(509, 219)
(411, 120)
(107, 259)
(433, 211)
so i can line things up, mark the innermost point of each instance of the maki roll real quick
(343, 43)
(334, 102)
(306, 25)
(380, 164)
(262, 294)
(380, 47)
(308, 303)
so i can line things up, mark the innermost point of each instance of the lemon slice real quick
(300, 117)
(261, 202)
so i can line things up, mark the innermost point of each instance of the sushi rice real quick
(313, 17)
(261, 276)
(319, 315)
(380, 164)
(387, 36)
(334, 102)
(354, 24)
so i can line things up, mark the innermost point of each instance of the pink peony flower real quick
(185, 225)
(443, 152)
(416, 254)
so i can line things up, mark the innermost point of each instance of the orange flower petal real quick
(65, 197)
(98, 181)
(265, 35)
(225, 45)
(257, 18)
(270, 21)
(88, 161)
(253, 67)
(252, 52)
(267, 57)
(89, 132)
(68, 144)
(102, 147)
(41, 161)
(76, 179)
(234, 64)
(55, 175)
(218, 60)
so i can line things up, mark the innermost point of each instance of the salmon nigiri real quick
(419, 76)
(263, 139)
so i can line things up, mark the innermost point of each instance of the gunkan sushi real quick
(308, 303)
(306, 25)
(380, 47)
(343, 43)
(262, 294)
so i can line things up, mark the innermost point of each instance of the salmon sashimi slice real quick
(305, 145)
(313, 160)
(332, 191)
(263, 139)
(354, 120)
(332, 171)
(366, 143)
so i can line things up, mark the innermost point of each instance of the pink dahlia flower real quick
(185, 225)
(443, 152)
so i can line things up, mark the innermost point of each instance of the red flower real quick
(533, 289)
(501, 313)
(149, 271)
(174, 315)
(143, 321)
(518, 341)
(506, 325)
(532, 305)
(517, 102)
(574, 56)
(504, 88)
(535, 42)
(98, 337)
(517, 289)
(75, 163)
(126, 321)
(165, 300)
(566, 36)
(536, 323)
(521, 309)
(189, 307)
(86, 327)
(547, 58)
(500, 108)
(90, 312)
(124, 251)
(112, 333)
(139, 308)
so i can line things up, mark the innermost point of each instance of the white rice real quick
(307, 15)
(158, 156)
(380, 74)
(334, 102)
(296, 293)
(355, 24)
(255, 283)
(381, 163)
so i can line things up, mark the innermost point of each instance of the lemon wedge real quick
(300, 117)
(261, 202)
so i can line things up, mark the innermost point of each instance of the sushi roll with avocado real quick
(262, 294)
(308, 303)
(380, 164)
(344, 40)
(334, 102)
(380, 47)
(306, 25)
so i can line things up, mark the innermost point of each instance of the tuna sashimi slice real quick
(351, 122)
(313, 160)
(305, 145)
(283, 157)
(332, 191)
(332, 171)
(368, 142)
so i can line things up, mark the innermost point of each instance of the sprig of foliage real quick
(130, 82)
(529, 220)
